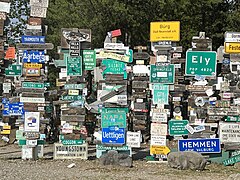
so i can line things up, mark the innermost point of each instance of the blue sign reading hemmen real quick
(33, 56)
(200, 145)
(113, 135)
(33, 39)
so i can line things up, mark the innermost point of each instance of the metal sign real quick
(141, 55)
(162, 74)
(232, 36)
(32, 121)
(14, 70)
(47, 46)
(33, 56)
(32, 65)
(74, 48)
(74, 66)
(113, 135)
(71, 98)
(37, 11)
(33, 39)
(113, 46)
(201, 63)
(113, 119)
(14, 109)
(74, 86)
(158, 129)
(232, 160)
(155, 149)
(200, 145)
(229, 132)
(177, 127)
(34, 21)
(159, 117)
(73, 92)
(89, 59)
(232, 47)
(39, 3)
(72, 141)
(160, 93)
(165, 31)
(33, 72)
(232, 119)
(134, 139)
(32, 85)
(114, 67)
(32, 100)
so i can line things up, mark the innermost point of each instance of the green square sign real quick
(177, 127)
(74, 65)
(201, 63)
(114, 67)
(160, 93)
(162, 74)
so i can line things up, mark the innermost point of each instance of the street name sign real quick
(201, 63)
(33, 39)
(32, 85)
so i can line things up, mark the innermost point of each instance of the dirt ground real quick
(13, 167)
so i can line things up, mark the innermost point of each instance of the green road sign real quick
(177, 127)
(160, 93)
(232, 119)
(72, 141)
(32, 85)
(14, 70)
(114, 67)
(49, 109)
(71, 98)
(89, 59)
(201, 63)
(47, 84)
(113, 119)
(22, 142)
(232, 160)
(162, 74)
(74, 65)
(74, 86)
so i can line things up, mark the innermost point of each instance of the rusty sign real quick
(34, 21)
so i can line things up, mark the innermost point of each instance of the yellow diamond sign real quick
(165, 31)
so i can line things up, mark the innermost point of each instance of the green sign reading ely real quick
(232, 160)
(32, 85)
(177, 127)
(162, 74)
(14, 70)
(89, 59)
(114, 119)
(71, 98)
(114, 67)
(201, 63)
(74, 65)
(160, 93)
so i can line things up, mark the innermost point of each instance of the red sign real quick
(10, 54)
(116, 33)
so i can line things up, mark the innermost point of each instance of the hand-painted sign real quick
(113, 135)
(162, 74)
(113, 119)
(177, 127)
(33, 56)
(89, 59)
(160, 93)
(158, 129)
(33, 39)
(115, 56)
(200, 145)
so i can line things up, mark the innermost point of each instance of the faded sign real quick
(229, 132)
(37, 11)
(158, 129)
(158, 140)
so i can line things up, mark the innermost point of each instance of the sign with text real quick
(74, 48)
(201, 63)
(232, 47)
(37, 11)
(13, 109)
(5, 7)
(32, 121)
(162, 74)
(14, 70)
(33, 71)
(134, 139)
(160, 93)
(74, 86)
(165, 31)
(158, 140)
(33, 56)
(74, 66)
(32, 65)
(158, 129)
(232, 160)
(200, 145)
(229, 132)
(232, 36)
(33, 39)
(39, 3)
(155, 149)
(114, 67)
(32, 85)
(32, 100)
(71, 98)
(177, 127)
(113, 119)
(89, 59)
(113, 135)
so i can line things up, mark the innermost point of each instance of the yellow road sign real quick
(154, 149)
(232, 47)
(73, 92)
(165, 31)
(31, 65)
(6, 132)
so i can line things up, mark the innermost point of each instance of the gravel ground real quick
(12, 167)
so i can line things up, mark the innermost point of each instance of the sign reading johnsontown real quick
(200, 145)
(33, 56)
(33, 39)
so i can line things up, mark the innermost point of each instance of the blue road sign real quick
(33, 39)
(200, 145)
(33, 56)
(15, 109)
(113, 135)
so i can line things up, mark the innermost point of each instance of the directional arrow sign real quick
(159, 150)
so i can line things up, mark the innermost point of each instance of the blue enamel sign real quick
(33, 56)
(33, 39)
(113, 135)
(15, 109)
(200, 145)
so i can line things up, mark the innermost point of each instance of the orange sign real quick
(10, 54)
